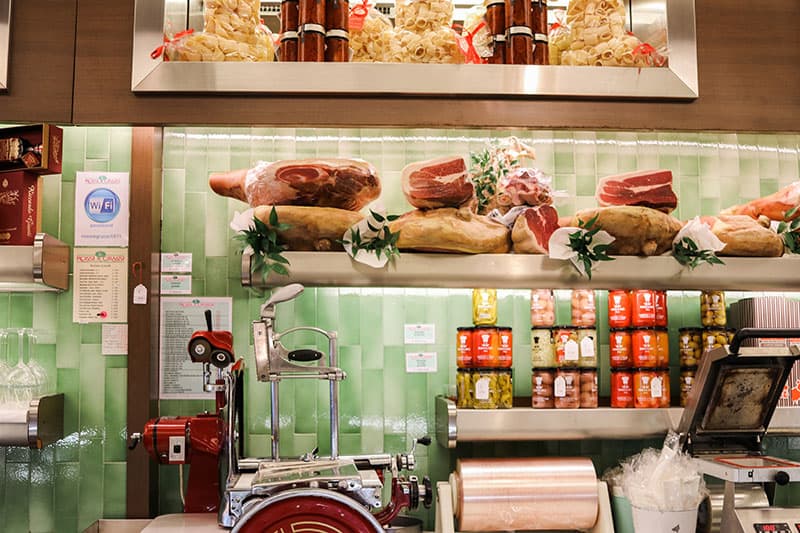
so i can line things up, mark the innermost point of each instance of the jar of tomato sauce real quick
(643, 308)
(644, 344)
(619, 309)
(505, 348)
(665, 396)
(662, 347)
(621, 388)
(648, 388)
(464, 347)
(619, 341)
(485, 346)
(661, 308)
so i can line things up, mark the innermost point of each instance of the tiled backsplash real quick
(382, 407)
(69, 485)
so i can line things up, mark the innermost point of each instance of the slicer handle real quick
(208, 319)
(305, 355)
(768, 333)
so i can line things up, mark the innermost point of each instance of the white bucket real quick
(647, 521)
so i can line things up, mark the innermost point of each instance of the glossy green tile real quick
(98, 143)
(116, 390)
(114, 478)
(41, 517)
(172, 215)
(92, 390)
(196, 163)
(21, 308)
(174, 147)
(73, 152)
(16, 500)
(120, 149)
(216, 276)
(68, 383)
(50, 192)
(585, 185)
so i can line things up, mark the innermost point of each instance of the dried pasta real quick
(435, 46)
(423, 15)
(374, 41)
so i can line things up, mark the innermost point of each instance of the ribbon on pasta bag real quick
(473, 41)
(160, 51)
(357, 15)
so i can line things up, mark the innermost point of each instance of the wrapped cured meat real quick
(744, 236)
(440, 182)
(311, 228)
(533, 228)
(637, 230)
(647, 188)
(522, 186)
(341, 183)
(450, 230)
(773, 206)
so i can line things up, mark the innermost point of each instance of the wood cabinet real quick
(746, 62)
(41, 61)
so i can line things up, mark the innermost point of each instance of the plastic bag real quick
(559, 37)
(599, 38)
(372, 36)
(421, 16)
(665, 480)
(475, 40)
(435, 46)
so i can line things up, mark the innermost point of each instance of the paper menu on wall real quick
(180, 378)
(100, 280)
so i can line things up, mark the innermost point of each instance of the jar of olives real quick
(712, 309)
(687, 380)
(714, 338)
(492, 389)
(690, 346)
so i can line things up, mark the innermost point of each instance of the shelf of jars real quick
(519, 271)
(675, 80)
(455, 425)
(42, 266)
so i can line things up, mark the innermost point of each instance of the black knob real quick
(782, 478)
(428, 498)
(425, 441)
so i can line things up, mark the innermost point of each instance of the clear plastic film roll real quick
(524, 494)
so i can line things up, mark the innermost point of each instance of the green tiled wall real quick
(382, 407)
(72, 483)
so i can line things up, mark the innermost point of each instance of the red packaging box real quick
(42, 145)
(18, 207)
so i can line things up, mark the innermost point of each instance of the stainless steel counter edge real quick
(521, 271)
(522, 423)
(36, 426)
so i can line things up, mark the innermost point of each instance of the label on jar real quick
(571, 350)
(559, 387)
(587, 348)
(482, 389)
(656, 387)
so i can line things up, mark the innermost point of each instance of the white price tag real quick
(140, 295)
(656, 388)
(587, 347)
(419, 333)
(571, 351)
(559, 387)
(421, 362)
(482, 389)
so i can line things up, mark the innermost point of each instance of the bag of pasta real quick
(559, 37)
(434, 46)
(420, 16)
(372, 35)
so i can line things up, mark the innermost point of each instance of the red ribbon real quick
(158, 52)
(644, 49)
(472, 54)
(357, 15)
(554, 26)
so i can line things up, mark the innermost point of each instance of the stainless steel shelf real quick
(509, 271)
(522, 423)
(41, 267)
(36, 426)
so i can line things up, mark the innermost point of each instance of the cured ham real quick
(637, 230)
(450, 230)
(337, 182)
(646, 188)
(533, 228)
(745, 236)
(311, 228)
(773, 206)
(523, 186)
(440, 182)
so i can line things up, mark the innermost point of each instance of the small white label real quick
(140, 295)
(421, 362)
(176, 284)
(114, 339)
(571, 350)
(587, 348)
(656, 389)
(482, 389)
(177, 449)
(559, 387)
(419, 333)
(176, 262)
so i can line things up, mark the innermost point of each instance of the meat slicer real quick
(326, 494)
(728, 411)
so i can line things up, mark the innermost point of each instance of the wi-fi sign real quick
(101, 205)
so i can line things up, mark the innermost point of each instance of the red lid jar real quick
(619, 309)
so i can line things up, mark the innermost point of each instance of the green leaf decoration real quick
(581, 243)
(383, 243)
(267, 250)
(687, 253)
(789, 230)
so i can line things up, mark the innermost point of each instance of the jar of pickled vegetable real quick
(588, 388)
(543, 308)
(542, 388)
(543, 353)
(587, 341)
(619, 341)
(583, 309)
(621, 388)
(567, 346)
(687, 380)
(464, 388)
(566, 388)
(690, 346)
(492, 388)
(484, 307)
(712, 309)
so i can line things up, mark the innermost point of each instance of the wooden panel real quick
(41, 62)
(145, 243)
(747, 63)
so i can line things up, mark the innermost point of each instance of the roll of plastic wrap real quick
(524, 494)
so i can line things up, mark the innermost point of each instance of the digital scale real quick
(726, 417)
